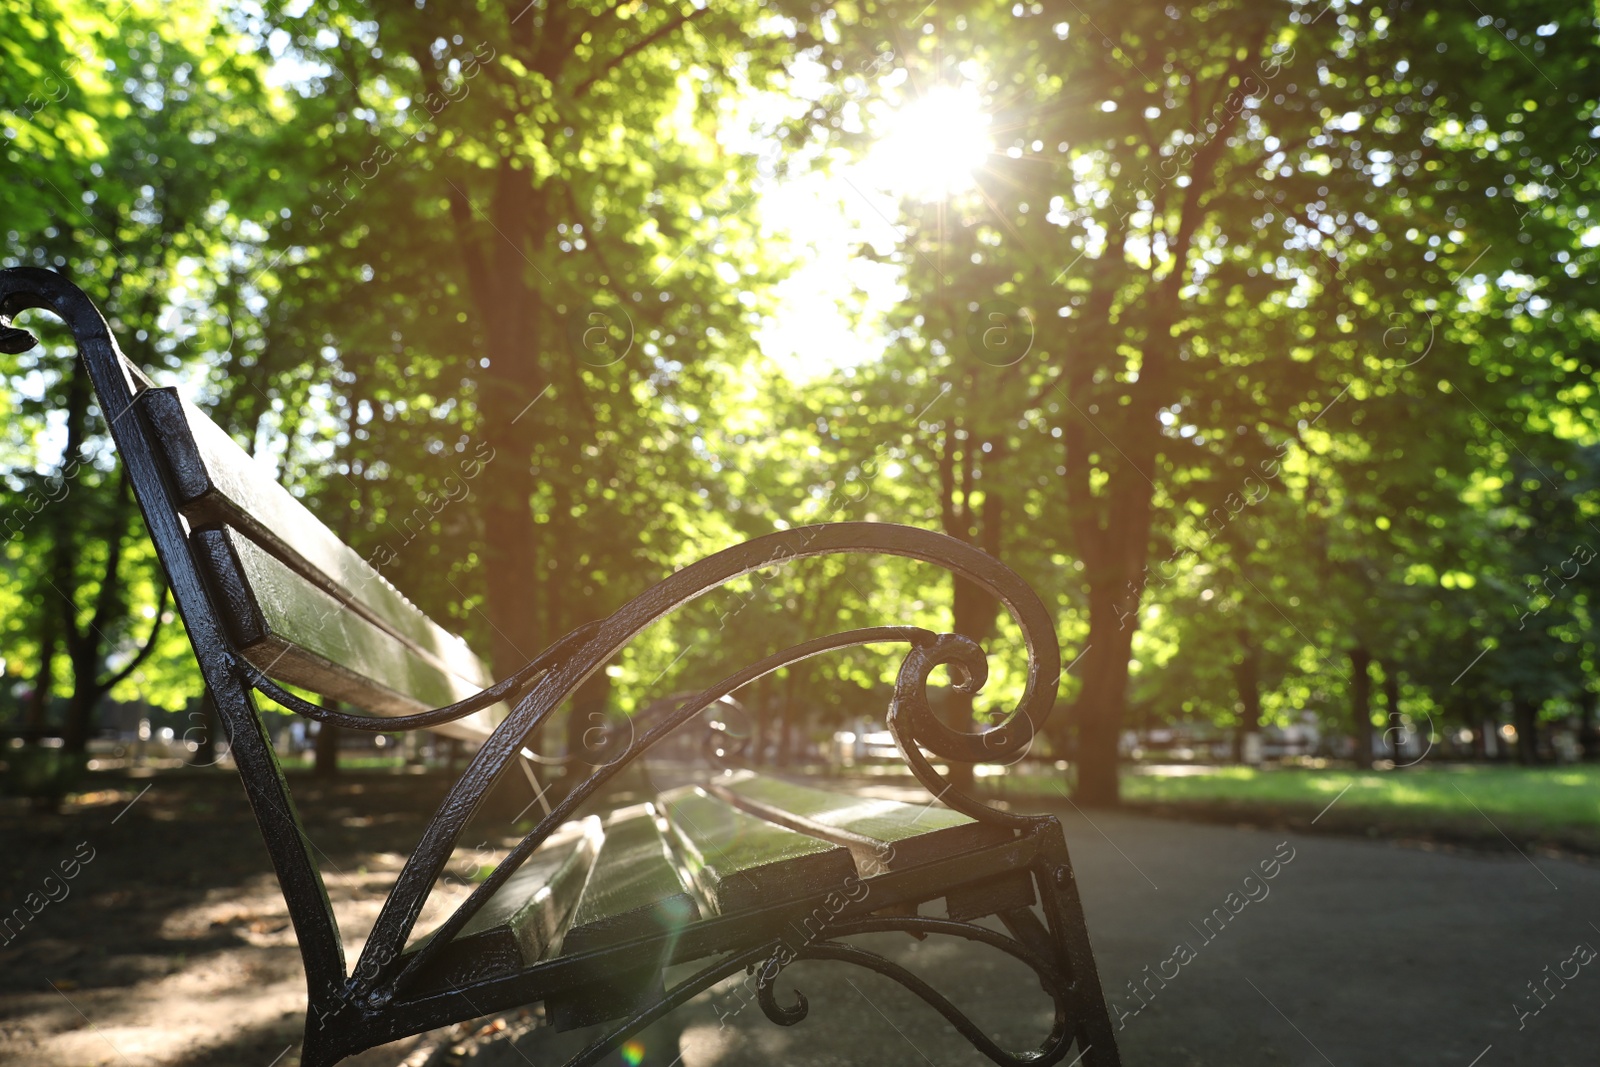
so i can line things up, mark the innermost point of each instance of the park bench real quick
(735, 872)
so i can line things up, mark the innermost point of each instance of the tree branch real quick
(636, 47)
(106, 685)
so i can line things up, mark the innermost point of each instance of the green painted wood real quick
(217, 482)
(739, 861)
(293, 631)
(882, 835)
(636, 888)
(522, 923)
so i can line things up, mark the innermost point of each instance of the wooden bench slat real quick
(740, 861)
(636, 888)
(295, 632)
(217, 482)
(882, 835)
(522, 922)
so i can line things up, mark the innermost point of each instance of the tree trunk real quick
(1115, 550)
(1115, 555)
(1526, 713)
(1247, 686)
(81, 706)
(206, 754)
(326, 751)
(973, 616)
(63, 526)
(761, 710)
(1361, 704)
(36, 713)
(513, 318)
(786, 719)
(87, 647)
(1098, 711)
(1588, 734)
(1396, 732)
(972, 608)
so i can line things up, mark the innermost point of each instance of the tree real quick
(124, 191)
(1203, 211)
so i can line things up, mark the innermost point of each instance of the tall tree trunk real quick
(972, 608)
(1247, 686)
(1115, 551)
(1115, 554)
(325, 760)
(54, 595)
(513, 312)
(1099, 708)
(973, 611)
(1588, 734)
(761, 709)
(1588, 731)
(1396, 732)
(86, 647)
(1361, 704)
(1526, 713)
(787, 717)
(82, 704)
(36, 713)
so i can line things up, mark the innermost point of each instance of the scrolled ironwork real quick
(1051, 981)
(769, 962)
(912, 721)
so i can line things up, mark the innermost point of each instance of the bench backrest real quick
(303, 606)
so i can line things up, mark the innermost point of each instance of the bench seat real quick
(740, 842)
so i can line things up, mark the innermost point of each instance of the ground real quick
(172, 944)
(171, 947)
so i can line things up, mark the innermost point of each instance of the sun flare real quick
(933, 145)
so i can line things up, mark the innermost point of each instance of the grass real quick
(1521, 801)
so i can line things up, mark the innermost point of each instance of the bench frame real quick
(388, 994)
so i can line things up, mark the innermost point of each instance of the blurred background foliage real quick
(1261, 340)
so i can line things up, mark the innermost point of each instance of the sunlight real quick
(933, 145)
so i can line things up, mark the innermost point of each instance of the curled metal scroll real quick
(915, 726)
(769, 961)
